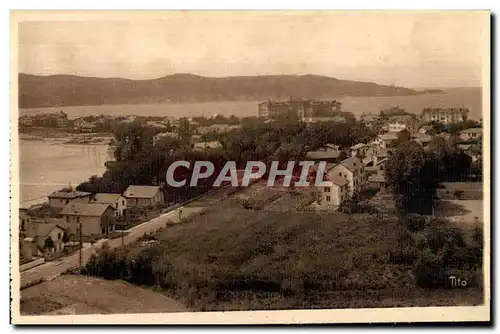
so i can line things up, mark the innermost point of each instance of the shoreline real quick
(60, 137)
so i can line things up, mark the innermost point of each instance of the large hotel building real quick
(445, 115)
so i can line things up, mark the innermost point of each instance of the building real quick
(116, 201)
(353, 170)
(326, 154)
(156, 124)
(369, 120)
(43, 231)
(383, 141)
(359, 150)
(403, 122)
(160, 136)
(206, 146)
(312, 120)
(302, 108)
(26, 121)
(471, 134)
(89, 219)
(143, 196)
(60, 199)
(129, 119)
(217, 128)
(62, 122)
(423, 140)
(82, 125)
(425, 129)
(444, 115)
(337, 193)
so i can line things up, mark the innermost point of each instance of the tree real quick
(65, 237)
(48, 243)
(413, 177)
(403, 136)
(440, 147)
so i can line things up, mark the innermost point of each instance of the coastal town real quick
(132, 206)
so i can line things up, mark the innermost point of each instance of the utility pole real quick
(81, 244)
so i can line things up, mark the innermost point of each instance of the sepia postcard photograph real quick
(250, 167)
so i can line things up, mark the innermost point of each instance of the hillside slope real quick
(68, 90)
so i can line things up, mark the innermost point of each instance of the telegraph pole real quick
(81, 244)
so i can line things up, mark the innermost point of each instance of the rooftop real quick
(326, 154)
(337, 180)
(388, 136)
(472, 130)
(107, 198)
(208, 144)
(352, 163)
(69, 194)
(84, 209)
(357, 146)
(43, 229)
(141, 191)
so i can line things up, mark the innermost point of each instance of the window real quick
(328, 198)
(123, 202)
(77, 219)
(340, 174)
(67, 201)
(327, 189)
(67, 219)
(58, 236)
(116, 205)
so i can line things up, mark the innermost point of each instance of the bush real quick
(442, 252)
(416, 222)
(430, 275)
(458, 194)
(143, 266)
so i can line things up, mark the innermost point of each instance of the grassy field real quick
(233, 258)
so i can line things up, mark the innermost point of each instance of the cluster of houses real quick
(363, 165)
(59, 119)
(82, 214)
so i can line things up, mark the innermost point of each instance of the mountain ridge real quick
(71, 90)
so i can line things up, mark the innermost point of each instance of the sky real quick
(412, 49)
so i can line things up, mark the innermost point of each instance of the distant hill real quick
(69, 90)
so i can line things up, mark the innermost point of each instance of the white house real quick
(403, 122)
(143, 196)
(337, 193)
(159, 136)
(359, 150)
(471, 134)
(353, 170)
(116, 201)
(207, 145)
(384, 140)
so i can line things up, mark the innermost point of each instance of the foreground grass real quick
(232, 258)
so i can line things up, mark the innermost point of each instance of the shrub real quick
(458, 194)
(441, 252)
(416, 222)
(430, 275)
